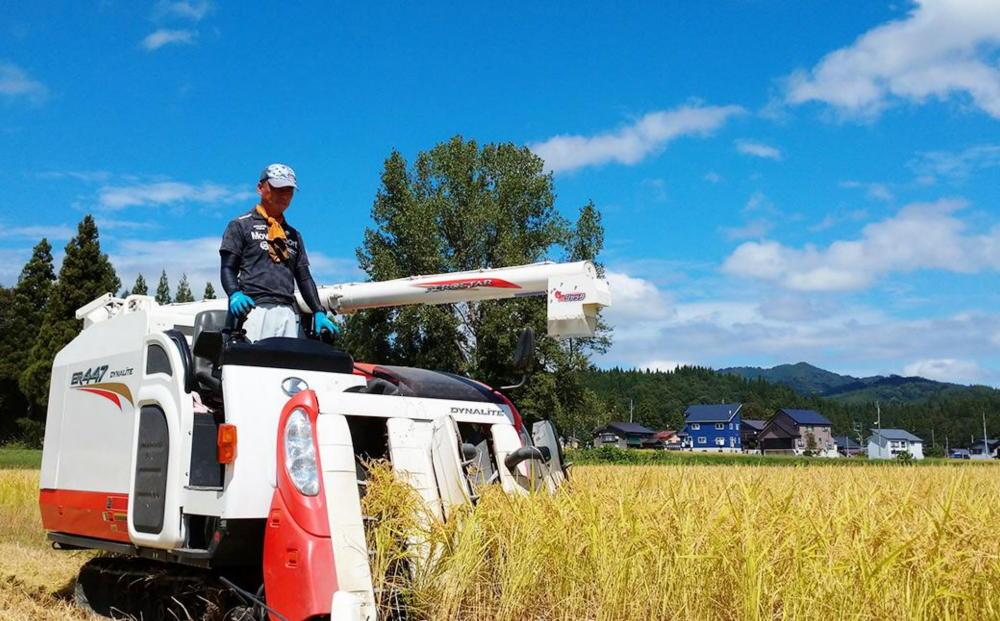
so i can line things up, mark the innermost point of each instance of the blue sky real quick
(780, 181)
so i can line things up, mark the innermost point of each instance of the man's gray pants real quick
(267, 320)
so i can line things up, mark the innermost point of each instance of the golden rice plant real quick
(725, 542)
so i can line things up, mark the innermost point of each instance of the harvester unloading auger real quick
(169, 438)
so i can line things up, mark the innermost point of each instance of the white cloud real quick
(193, 10)
(758, 149)
(632, 143)
(167, 193)
(941, 48)
(15, 82)
(946, 370)
(874, 191)
(713, 177)
(750, 230)
(919, 236)
(56, 232)
(833, 219)
(956, 166)
(636, 299)
(157, 39)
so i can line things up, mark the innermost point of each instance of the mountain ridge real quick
(809, 380)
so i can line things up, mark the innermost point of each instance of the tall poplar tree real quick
(183, 290)
(85, 274)
(463, 207)
(163, 289)
(140, 287)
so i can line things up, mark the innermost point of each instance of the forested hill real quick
(807, 379)
(660, 398)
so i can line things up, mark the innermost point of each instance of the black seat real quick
(207, 339)
(289, 353)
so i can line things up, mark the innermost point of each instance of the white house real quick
(888, 443)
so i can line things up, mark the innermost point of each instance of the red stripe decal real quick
(107, 394)
(469, 283)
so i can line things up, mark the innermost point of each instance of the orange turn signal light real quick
(226, 443)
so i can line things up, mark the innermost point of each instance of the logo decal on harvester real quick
(568, 297)
(480, 411)
(462, 284)
(90, 381)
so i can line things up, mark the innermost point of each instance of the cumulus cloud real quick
(635, 298)
(946, 370)
(632, 143)
(164, 36)
(919, 236)
(940, 49)
(15, 82)
(758, 149)
(168, 192)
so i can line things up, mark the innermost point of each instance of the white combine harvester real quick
(171, 439)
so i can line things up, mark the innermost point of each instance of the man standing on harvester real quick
(263, 258)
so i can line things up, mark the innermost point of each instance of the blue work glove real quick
(322, 322)
(240, 304)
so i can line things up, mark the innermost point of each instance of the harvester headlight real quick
(300, 454)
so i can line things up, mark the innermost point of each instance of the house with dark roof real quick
(848, 446)
(795, 432)
(624, 435)
(888, 443)
(749, 431)
(992, 448)
(713, 427)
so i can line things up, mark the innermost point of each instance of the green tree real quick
(463, 207)
(86, 274)
(209, 292)
(163, 289)
(184, 290)
(140, 287)
(21, 314)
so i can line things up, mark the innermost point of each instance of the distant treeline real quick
(659, 399)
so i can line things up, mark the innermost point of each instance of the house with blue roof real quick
(797, 432)
(713, 427)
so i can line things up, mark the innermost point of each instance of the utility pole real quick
(879, 423)
(986, 447)
(630, 410)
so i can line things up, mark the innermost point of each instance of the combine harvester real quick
(193, 454)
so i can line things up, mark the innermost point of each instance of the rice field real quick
(647, 542)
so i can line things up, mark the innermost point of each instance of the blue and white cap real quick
(279, 176)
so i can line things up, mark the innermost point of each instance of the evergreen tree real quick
(184, 290)
(209, 292)
(140, 288)
(86, 274)
(163, 289)
(21, 309)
